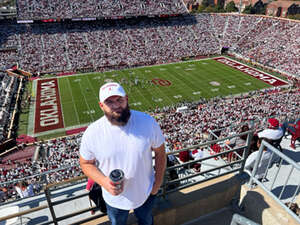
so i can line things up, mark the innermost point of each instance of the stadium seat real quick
(295, 134)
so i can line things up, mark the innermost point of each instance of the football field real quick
(147, 88)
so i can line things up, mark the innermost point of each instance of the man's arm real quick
(160, 166)
(250, 161)
(91, 171)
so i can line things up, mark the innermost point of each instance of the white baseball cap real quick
(110, 89)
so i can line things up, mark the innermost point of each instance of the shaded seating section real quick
(8, 90)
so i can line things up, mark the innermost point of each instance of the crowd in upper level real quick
(107, 44)
(8, 91)
(45, 9)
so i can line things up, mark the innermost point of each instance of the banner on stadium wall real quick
(25, 21)
(89, 19)
(76, 19)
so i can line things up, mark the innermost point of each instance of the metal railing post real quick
(164, 185)
(257, 161)
(241, 220)
(48, 197)
(246, 151)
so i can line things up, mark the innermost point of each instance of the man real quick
(273, 132)
(272, 135)
(263, 164)
(124, 139)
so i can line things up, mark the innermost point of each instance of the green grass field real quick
(190, 81)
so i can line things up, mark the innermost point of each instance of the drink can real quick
(117, 176)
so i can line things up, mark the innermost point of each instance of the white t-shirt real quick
(28, 192)
(263, 164)
(272, 134)
(127, 148)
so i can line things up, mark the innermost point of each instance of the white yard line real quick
(76, 112)
(181, 82)
(31, 116)
(86, 102)
(61, 108)
(97, 97)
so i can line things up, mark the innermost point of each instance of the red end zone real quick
(48, 114)
(252, 72)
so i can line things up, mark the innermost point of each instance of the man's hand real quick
(111, 187)
(155, 189)
(91, 171)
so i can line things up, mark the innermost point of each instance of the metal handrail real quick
(260, 182)
(51, 187)
(241, 220)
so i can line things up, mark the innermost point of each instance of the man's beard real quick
(120, 120)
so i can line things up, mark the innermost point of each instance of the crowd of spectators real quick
(8, 91)
(181, 129)
(45, 9)
(226, 113)
(101, 45)
(106, 44)
(61, 154)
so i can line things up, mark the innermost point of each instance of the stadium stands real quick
(218, 113)
(45, 9)
(112, 44)
(8, 89)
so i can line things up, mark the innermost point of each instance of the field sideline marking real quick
(61, 109)
(60, 130)
(31, 117)
(73, 101)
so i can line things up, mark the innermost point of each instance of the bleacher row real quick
(202, 116)
(111, 44)
(45, 9)
(8, 90)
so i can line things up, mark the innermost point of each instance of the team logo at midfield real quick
(161, 82)
(214, 83)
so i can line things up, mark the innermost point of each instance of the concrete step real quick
(219, 217)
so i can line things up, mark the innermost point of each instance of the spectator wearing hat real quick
(273, 135)
(273, 132)
(124, 139)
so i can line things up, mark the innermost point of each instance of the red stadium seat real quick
(295, 134)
